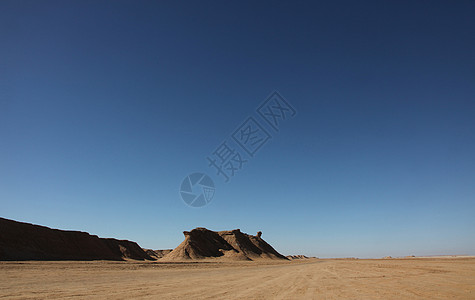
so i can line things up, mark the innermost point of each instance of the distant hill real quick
(23, 241)
(292, 257)
(201, 243)
(157, 253)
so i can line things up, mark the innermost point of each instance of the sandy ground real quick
(429, 278)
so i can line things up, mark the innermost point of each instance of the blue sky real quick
(106, 106)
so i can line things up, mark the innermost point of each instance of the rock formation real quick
(201, 243)
(157, 253)
(23, 241)
(292, 257)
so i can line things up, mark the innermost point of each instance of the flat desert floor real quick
(416, 278)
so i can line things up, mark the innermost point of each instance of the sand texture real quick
(414, 278)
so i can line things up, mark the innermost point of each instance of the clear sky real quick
(105, 106)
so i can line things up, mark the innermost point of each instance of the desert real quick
(246, 149)
(37, 262)
(416, 278)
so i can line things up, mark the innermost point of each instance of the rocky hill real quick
(300, 256)
(157, 253)
(201, 243)
(23, 241)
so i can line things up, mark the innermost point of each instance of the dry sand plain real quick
(416, 278)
